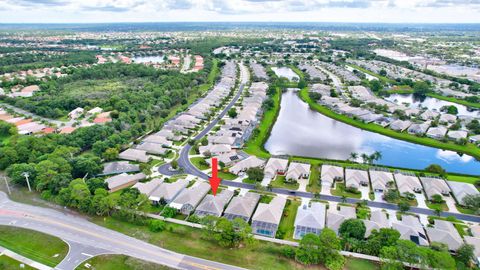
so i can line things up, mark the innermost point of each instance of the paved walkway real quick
(22, 259)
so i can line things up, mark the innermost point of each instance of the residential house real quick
(407, 183)
(437, 132)
(214, 205)
(411, 229)
(76, 113)
(275, 166)
(118, 167)
(460, 190)
(434, 186)
(400, 125)
(457, 135)
(190, 197)
(356, 178)
(444, 232)
(134, 155)
(123, 180)
(244, 165)
(267, 217)
(309, 219)
(335, 217)
(447, 118)
(242, 206)
(297, 171)
(166, 192)
(378, 220)
(149, 187)
(152, 148)
(330, 174)
(380, 180)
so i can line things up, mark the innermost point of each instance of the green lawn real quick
(226, 175)
(197, 162)
(120, 262)
(340, 191)
(254, 146)
(249, 181)
(8, 263)
(454, 100)
(469, 148)
(443, 206)
(463, 178)
(288, 220)
(37, 246)
(314, 182)
(187, 240)
(358, 264)
(279, 182)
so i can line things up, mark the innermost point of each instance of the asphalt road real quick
(87, 239)
(189, 168)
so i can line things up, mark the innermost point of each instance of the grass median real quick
(40, 247)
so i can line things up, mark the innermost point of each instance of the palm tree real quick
(365, 158)
(353, 156)
(377, 155)
(344, 199)
(437, 211)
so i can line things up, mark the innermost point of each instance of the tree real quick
(16, 173)
(421, 88)
(302, 84)
(86, 164)
(308, 252)
(391, 195)
(232, 113)
(174, 164)
(383, 238)
(155, 225)
(110, 154)
(403, 206)
(169, 212)
(353, 156)
(352, 228)
(436, 198)
(382, 72)
(404, 251)
(376, 85)
(465, 254)
(472, 201)
(256, 174)
(435, 168)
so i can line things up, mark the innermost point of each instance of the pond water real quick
(148, 59)
(285, 72)
(431, 103)
(301, 131)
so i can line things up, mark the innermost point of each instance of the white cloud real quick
(448, 11)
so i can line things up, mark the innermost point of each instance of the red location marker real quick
(214, 180)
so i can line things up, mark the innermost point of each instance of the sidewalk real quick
(24, 260)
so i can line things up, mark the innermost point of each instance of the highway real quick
(87, 239)
(189, 168)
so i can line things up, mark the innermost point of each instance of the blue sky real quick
(389, 11)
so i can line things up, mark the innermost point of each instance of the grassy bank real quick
(469, 148)
(254, 146)
(37, 246)
(455, 100)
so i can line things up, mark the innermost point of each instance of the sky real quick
(381, 11)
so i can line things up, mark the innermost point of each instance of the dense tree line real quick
(19, 62)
